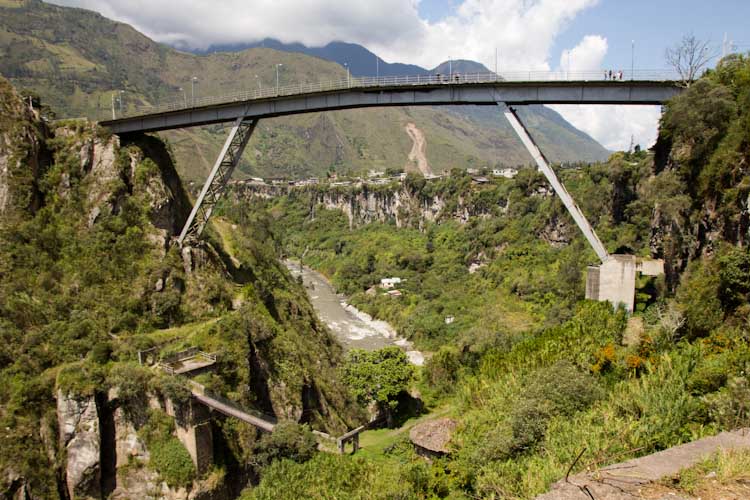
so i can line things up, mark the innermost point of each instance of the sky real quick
(579, 35)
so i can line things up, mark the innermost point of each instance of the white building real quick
(508, 173)
(389, 282)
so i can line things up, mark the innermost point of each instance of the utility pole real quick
(277, 78)
(192, 89)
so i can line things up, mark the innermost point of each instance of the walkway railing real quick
(180, 100)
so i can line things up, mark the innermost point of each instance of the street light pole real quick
(260, 86)
(277, 78)
(120, 99)
(192, 89)
(348, 81)
(632, 59)
(377, 67)
(184, 97)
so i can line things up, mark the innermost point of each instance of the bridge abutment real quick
(193, 425)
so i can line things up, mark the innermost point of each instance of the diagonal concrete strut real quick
(544, 167)
(217, 180)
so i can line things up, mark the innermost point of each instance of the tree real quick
(288, 440)
(378, 376)
(689, 57)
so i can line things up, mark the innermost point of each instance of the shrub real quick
(698, 299)
(288, 440)
(378, 376)
(441, 370)
(168, 456)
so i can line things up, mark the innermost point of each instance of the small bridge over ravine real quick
(614, 281)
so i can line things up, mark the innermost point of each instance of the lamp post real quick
(260, 86)
(114, 116)
(348, 81)
(377, 67)
(120, 100)
(632, 59)
(277, 78)
(450, 69)
(192, 89)
(184, 97)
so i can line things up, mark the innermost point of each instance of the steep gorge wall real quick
(91, 193)
(399, 204)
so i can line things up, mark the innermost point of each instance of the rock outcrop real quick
(78, 420)
(363, 204)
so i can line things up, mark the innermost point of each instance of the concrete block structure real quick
(614, 280)
(193, 425)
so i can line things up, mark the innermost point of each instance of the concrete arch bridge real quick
(613, 280)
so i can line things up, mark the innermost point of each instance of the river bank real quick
(353, 328)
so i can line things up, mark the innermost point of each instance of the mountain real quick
(78, 62)
(361, 61)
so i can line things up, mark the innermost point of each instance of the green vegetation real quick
(725, 473)
(492, 285)
(88, 279)
(288, 441)
(378, 377)
(168, 457)
(535, 375)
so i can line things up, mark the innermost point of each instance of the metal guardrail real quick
(180, 100)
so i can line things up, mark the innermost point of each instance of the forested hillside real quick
(538, 379)
(77, 60)
(89, 277)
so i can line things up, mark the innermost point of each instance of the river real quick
(353, 328)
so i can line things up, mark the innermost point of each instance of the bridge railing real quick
(180, 101)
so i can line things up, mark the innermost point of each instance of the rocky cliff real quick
(402, 203)
(90, 276)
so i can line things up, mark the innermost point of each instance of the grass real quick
(373, 443)
(726, 468)
(182, 336)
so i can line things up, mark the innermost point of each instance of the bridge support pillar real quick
(544, 167)
(193, 426)
(218, 178)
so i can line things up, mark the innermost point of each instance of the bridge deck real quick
(427, 92)
(232, 411)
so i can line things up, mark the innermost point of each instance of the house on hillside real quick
(388, 283)
(508, 173)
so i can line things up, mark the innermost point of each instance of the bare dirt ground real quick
(419, 148)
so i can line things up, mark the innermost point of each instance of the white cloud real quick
(522, 30)
(586, 56)
(613, 126)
